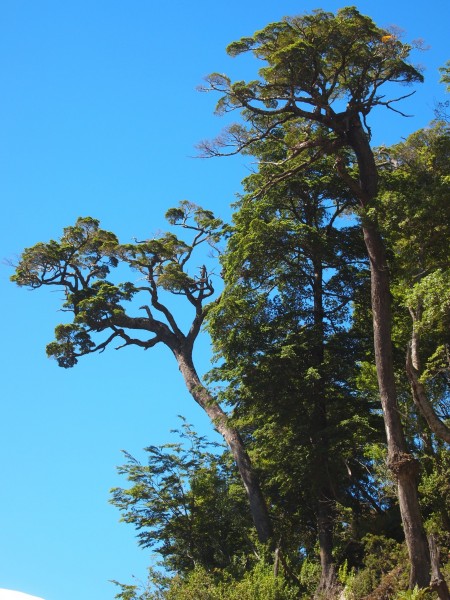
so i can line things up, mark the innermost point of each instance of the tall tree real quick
(291, 268)
(325, 71)
(80, 262)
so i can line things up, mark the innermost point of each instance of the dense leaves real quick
(186, 504)
(321, 67)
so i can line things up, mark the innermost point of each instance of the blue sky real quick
(99, 116)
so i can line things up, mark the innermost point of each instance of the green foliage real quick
(313, 63)
(414, 201)
(414, 594)
(81, 246)
(281, 333)
(292, 330)
(385, 565)
(435, 491)
(258, 583)
(309, 576)
(445, 74)
(431, 295)
(314, 46)
(415, 218)
(441, 108)
(345, 575)
(186, 504)
(69, 337)
(85, 256)
(382, 554)
(152, 589)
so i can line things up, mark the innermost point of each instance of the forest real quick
(327, 302)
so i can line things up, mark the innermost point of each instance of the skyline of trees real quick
(329, 235)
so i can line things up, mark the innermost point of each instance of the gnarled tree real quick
(80, 263)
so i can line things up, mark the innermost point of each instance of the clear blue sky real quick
(99, 116)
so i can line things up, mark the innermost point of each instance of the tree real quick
(445, 78)
(80, 262)
(441, 110)
(414, 207)
(323, 74)
(281, 329)
(186, 504)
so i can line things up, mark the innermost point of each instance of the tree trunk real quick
(420, 396)
(328, 584)
(324, 501)
(234, 441)
(401, 462)
(438, 583)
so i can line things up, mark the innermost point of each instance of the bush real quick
(385, 566)
(257, 584)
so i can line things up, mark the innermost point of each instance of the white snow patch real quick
(12, 595)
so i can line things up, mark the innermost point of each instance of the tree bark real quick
(437, 583)
(401, 462)
(234, 441)
(420, 398)
(328, 584)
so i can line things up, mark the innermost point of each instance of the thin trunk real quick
(416, 316)
(438, 583)
(413, 368)
(276, 562)
(401, 462)
(234, 441)
(421, 401)
(325, 504)
(328, 584)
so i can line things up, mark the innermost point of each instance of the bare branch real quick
(389, 102)
(129, 341)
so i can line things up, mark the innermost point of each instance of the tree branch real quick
(422, 403)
